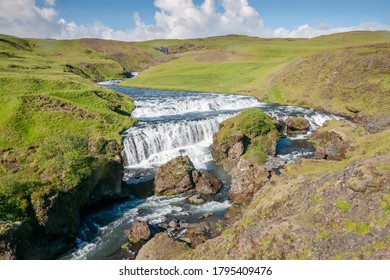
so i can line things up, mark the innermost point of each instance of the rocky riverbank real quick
(53, 231)
(333, 207)
(243, 143)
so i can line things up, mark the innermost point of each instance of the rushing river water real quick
(174, 123)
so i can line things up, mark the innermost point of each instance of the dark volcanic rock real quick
(174, 177)
(8, 244)
(207, 183)
(247, 180)
(140, 231)
(162, 247)
(57, 212)
(179, 176)
(105, 182)
(196, 199)
(331, 145)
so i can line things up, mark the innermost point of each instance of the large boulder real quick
(296, 125)
(162, 247)
(207, 183)
(243, 145)
(247, 180)
(179, 176)
(174, 177)
(367, 175)
(196, 199)
(330, 144)
(140, 231)
(252, 134)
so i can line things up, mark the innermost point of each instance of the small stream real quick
(174, 123)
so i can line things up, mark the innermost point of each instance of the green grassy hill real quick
(54, 121)
(288, 71)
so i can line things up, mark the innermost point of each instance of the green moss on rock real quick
(254, 129)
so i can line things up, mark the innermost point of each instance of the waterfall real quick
(185, 103)
(153, 143)
(174, 123)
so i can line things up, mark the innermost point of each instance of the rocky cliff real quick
(242, 145)
(50, 234)
(317, 209)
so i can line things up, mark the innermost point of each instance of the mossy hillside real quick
(55, 124)
(309, 72)
(309, 217)
(257, 131)
(362, 145)
(250, 58)
(318, 209)
(347, 81)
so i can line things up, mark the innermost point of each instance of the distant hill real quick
(322, 71)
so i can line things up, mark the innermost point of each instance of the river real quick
(174, 123)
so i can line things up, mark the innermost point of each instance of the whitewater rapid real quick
(173, 123)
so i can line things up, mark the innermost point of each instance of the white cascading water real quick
(145, 142)
(175, 123)
(202, 102)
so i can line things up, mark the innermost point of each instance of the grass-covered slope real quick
(340, 72)
(317, 209)
(353, 81)
(54, 121)
(253, 130)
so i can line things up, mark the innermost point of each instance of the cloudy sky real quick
(135, 20)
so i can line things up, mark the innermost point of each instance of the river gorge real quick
(174, 123)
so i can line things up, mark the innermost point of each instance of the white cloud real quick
(307, 31)
(25, 19)
(50, 2)
(183, 19)
(172, 19)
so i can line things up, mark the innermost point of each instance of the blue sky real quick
(150, 19)
(275, 13)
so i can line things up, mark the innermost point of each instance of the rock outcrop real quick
(162, 247)
(179, 176)
(54, 222)
(242, 145)
(247, 179)
(140, 231)
(175, 177)
(206, 183)
(104, 183)
(9, 235)
(330, 144)
(296, 126)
